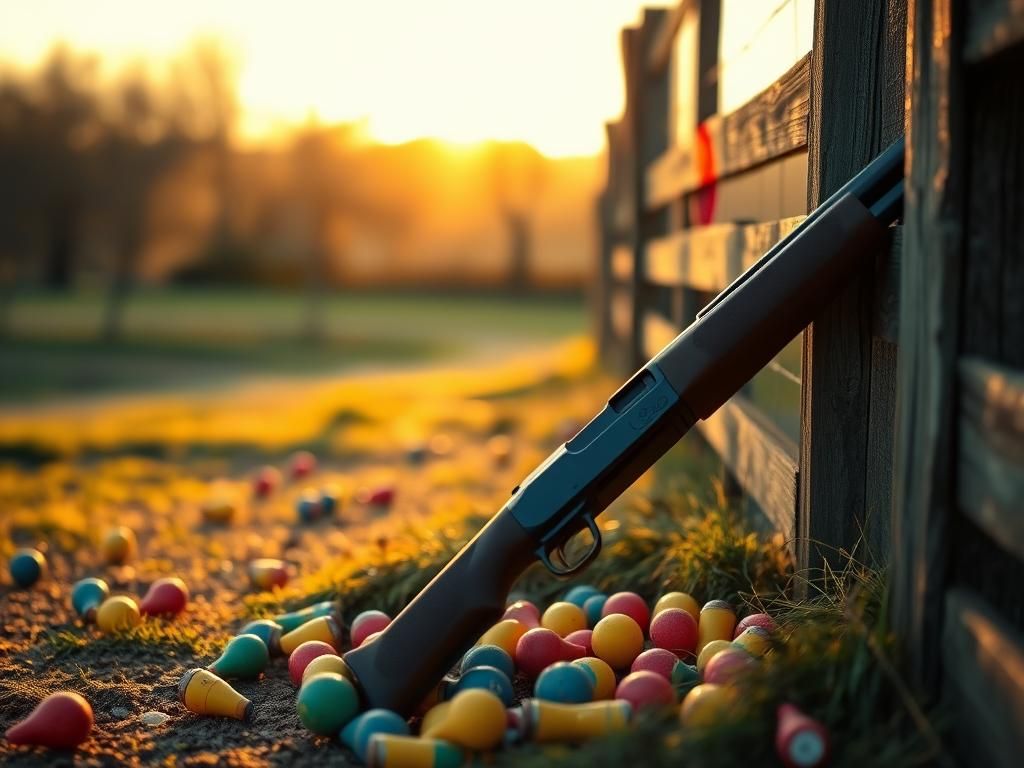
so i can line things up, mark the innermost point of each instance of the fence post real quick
(857, 75)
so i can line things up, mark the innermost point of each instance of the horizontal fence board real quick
(760, 457)
(709, 258)
(769, 126)
(658, 331)
(991, 451)
(992, 27)
(622, 263)
(772, 124)
(984, 663)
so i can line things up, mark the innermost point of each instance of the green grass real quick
(175, 337)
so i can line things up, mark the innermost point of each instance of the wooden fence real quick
(897, 426)
(695, 196)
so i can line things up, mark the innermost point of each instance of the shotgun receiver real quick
(731, 339)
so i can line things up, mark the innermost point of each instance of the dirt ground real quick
(151, 465)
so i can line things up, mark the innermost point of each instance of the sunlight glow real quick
(543, 71)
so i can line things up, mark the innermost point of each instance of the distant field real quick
(175, 338)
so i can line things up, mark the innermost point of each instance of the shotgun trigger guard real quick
(553, 555)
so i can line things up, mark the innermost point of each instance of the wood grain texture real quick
(761, 458)
(992, 27)
(994, 280)
(990, 474)
(985, 662)
(772, 124)
(923, 494)
(858, 58)
(769, 126)
(709, 258)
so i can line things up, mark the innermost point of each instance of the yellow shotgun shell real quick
(717, 622)
(323, 628)
(204, 693)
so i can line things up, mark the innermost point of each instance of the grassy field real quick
(175, 338)
(71, 468)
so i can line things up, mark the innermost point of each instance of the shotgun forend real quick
(732, 338)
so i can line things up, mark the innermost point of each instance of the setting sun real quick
(544, 72)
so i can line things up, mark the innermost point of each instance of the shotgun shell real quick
(706, 705)
(217, 511)
(60, 721)
(563, 618)
(763, 620)
(539, 648)
(357, 733)
(327, 662)
(27, 566)
(488, 656)
(677, 600)
(549, 721)
(119, 545)
(618, 640)
(302, 657)
(754, 640)
(727, 665)
(87, 595)
(117, 613)
(268, 572)
(323, 628)
(487, 679)
(386, 750)
(326, 703)
(630, 604)
(604, 676)
(717, 622)
(505, 634)
(800, 740)
(165, 597)
(296, 619)
(204, 693)
(709, 652)
(367, 623)
(565, 683)
(525, 612)
(245, 657)
(266, 630)
(474, 719)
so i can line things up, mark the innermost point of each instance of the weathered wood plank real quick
(984, 660)
(993, 283)
(709, 258)
(702, 258)
(992, 27)
(924, 498)
(760, 457)
(858, 58)
(769, 126)
(772, 124)
(991, 451)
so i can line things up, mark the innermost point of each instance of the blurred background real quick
(193, 190)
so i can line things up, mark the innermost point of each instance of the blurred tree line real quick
(112, 178)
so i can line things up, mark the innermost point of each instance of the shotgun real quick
(730, 340)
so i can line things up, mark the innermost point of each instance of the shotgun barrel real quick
(732, 338)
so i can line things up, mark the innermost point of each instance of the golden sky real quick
(542, 71)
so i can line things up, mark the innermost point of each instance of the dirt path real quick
(207, 446)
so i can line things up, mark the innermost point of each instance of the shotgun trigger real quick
(553, 555)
